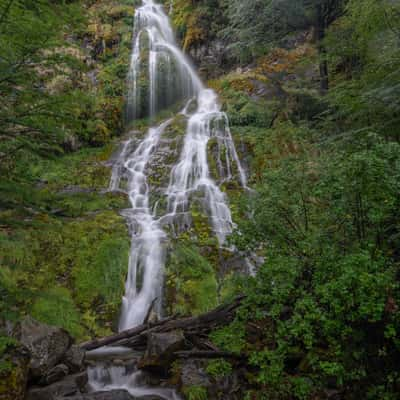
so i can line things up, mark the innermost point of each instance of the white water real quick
(146, 256)
(178, 79)
(191, 175)
(104, 378)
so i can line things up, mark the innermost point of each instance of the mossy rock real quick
(119, 11)
(14, 367)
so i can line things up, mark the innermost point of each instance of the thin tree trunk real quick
(323, 63)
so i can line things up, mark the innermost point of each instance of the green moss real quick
(83, 168)
(195, 393)
(100, 274)
(219, 368)
(176, 128)
(201, 228)
(56, 307)
(63, 247)
(80, 204)
(191, 282)
(80, 264)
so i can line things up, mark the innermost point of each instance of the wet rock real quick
(270, 90)
(111, 395)
(6, 327)
(54, 374)
(14, 373)
(69, 386)
(160, 349)
(212, 58)
(74, 358)
(193, 373)
(47, 345)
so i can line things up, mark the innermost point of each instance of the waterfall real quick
(192, 173)
(146, 256)
(167, 65)
(160, 76)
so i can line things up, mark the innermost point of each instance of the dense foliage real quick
(62, 71)
(322, 316)
(312, 89)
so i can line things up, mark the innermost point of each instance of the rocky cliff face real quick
(82, 249)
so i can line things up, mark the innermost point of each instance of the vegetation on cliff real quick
(322, 316)
(312, 91)
(62, 70)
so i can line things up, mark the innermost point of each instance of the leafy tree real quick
(258, 23)
(364, 53)
(324, 305)
(32, 115)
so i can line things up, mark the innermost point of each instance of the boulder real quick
(14, 363)
(160, 349)
(193, 373)
(54, 374)
(69, 386)
(47, 345)
(110, 395)
(74, 358)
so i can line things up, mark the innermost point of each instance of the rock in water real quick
(47, 345)
(14, 374)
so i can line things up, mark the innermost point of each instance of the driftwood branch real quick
(190, 325)
(149, 311)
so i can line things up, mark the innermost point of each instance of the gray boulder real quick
(160, 349)
(46, 344)
(54, 374)
(193, 373)
(74, 358)
(69, 386)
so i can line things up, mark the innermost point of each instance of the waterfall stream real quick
(171, 80)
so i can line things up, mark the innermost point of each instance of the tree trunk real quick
(320, 30)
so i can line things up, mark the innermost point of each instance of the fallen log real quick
(107, 340)
(191, 325)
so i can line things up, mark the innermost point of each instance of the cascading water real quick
(171, 79)
(192, 173)
(146, 256)
(168, 77)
